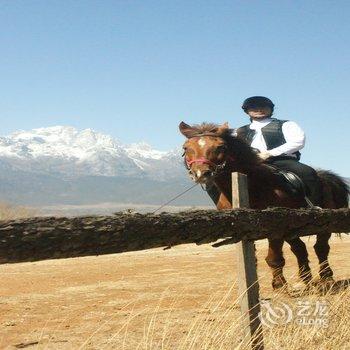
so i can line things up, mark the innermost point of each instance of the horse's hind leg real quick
(322, 250)
(276, 262)
(298, 247)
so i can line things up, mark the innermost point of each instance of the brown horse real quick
(212, 153)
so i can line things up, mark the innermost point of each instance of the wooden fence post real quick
(248, 286)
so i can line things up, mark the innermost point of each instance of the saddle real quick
(295, 185)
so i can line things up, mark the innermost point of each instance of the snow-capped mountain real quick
(68, 152)
(62, 165)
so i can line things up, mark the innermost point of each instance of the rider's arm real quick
(295, 140)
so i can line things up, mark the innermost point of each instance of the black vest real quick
(272, 133)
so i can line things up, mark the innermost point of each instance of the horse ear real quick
(185, 129)
(223, 127)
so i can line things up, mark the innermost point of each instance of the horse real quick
(212, 152)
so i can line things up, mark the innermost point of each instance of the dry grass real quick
(11, 212)
(218, 326)
(184, 298)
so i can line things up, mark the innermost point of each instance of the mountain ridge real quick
(62, 165)
(69, 152)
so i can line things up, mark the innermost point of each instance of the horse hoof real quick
(279, 283)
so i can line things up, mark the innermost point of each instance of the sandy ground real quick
(128, 301)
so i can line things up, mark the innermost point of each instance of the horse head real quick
(206, 151)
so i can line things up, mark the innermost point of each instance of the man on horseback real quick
(212, 152)
(278, 143)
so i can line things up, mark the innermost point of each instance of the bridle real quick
(218, 168)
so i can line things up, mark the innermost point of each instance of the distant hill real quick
(61, 165)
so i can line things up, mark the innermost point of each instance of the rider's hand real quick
(264, 155)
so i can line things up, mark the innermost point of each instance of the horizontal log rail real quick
(62, 237)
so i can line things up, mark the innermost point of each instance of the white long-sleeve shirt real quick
(293, 134)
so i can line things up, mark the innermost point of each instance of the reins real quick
(171, 200)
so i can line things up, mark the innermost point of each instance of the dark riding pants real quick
(306, 173)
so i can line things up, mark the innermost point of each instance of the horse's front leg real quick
(223, 202)
(213, 192)
(219, 197)
(276, 262)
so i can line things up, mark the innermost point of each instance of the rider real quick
(278, 142)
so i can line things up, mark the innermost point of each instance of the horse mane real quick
(206, 129)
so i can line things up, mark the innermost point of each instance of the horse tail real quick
(335, 189)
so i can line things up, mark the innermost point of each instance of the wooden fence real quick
(62, 237)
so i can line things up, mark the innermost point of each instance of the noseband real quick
(202, 160)
(217, 167)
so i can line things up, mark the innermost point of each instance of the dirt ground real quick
(132, 300)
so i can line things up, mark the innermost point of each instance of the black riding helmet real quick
(257, 101)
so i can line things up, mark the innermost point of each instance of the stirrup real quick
(310, 204)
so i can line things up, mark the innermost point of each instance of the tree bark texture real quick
(62, 237)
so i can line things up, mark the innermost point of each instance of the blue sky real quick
(135, 69)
